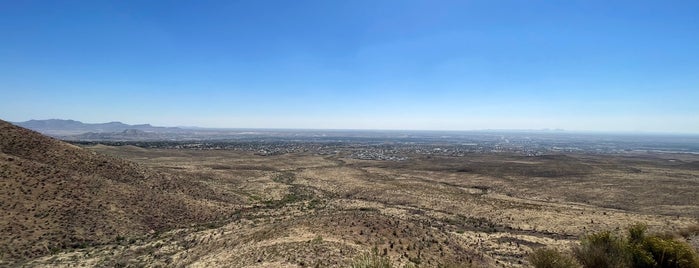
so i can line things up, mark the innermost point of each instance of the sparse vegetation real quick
(173, 207)
(692, 230)
(636, 249)
(551, 258)
(317, 240)
(659, 250)
(602, 250)
(371, 260)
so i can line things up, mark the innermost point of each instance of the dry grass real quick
(551, 258)
(57, 197)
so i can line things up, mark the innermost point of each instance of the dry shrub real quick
(605, 249)
(450, 265)
(371, 260)
(692, 230)
(551, 258)
(602, 250)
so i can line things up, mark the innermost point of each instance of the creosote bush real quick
(602, 250)
(669, 252)
(636, 249)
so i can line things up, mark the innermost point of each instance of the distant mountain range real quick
(60, 127)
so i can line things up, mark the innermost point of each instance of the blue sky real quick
(444, 65)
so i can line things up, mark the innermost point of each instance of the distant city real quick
(394, 145)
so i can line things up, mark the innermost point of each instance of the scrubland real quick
(479, 210)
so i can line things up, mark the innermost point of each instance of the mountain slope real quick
(55, 196)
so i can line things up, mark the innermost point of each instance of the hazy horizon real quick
(484, 130)
(626, 66)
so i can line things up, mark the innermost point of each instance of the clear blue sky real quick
(458, 65)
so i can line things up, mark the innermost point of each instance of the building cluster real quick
(401, 149)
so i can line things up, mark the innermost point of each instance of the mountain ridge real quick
(56, 196)
(64, 127)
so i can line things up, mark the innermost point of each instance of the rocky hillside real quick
(57, 196)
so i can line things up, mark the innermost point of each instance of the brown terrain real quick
(57, 197)
(129, 206)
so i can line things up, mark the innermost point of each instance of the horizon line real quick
(505, 130)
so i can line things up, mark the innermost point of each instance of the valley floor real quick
(298, 210)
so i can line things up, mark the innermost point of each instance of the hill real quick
(57, 196)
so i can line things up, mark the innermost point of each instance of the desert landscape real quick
(357, 134)
(129, 206)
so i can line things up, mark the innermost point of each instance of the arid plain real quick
(482, 209)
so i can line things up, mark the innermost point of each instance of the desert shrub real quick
(371, 260)
(669, 252)
(448, 265)
(317, 240)
(637, 233)
(640, 257)
(551, 258)
(638, 250)
(690, 231)
(659, 250)
(445, 265)
(603, 250)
